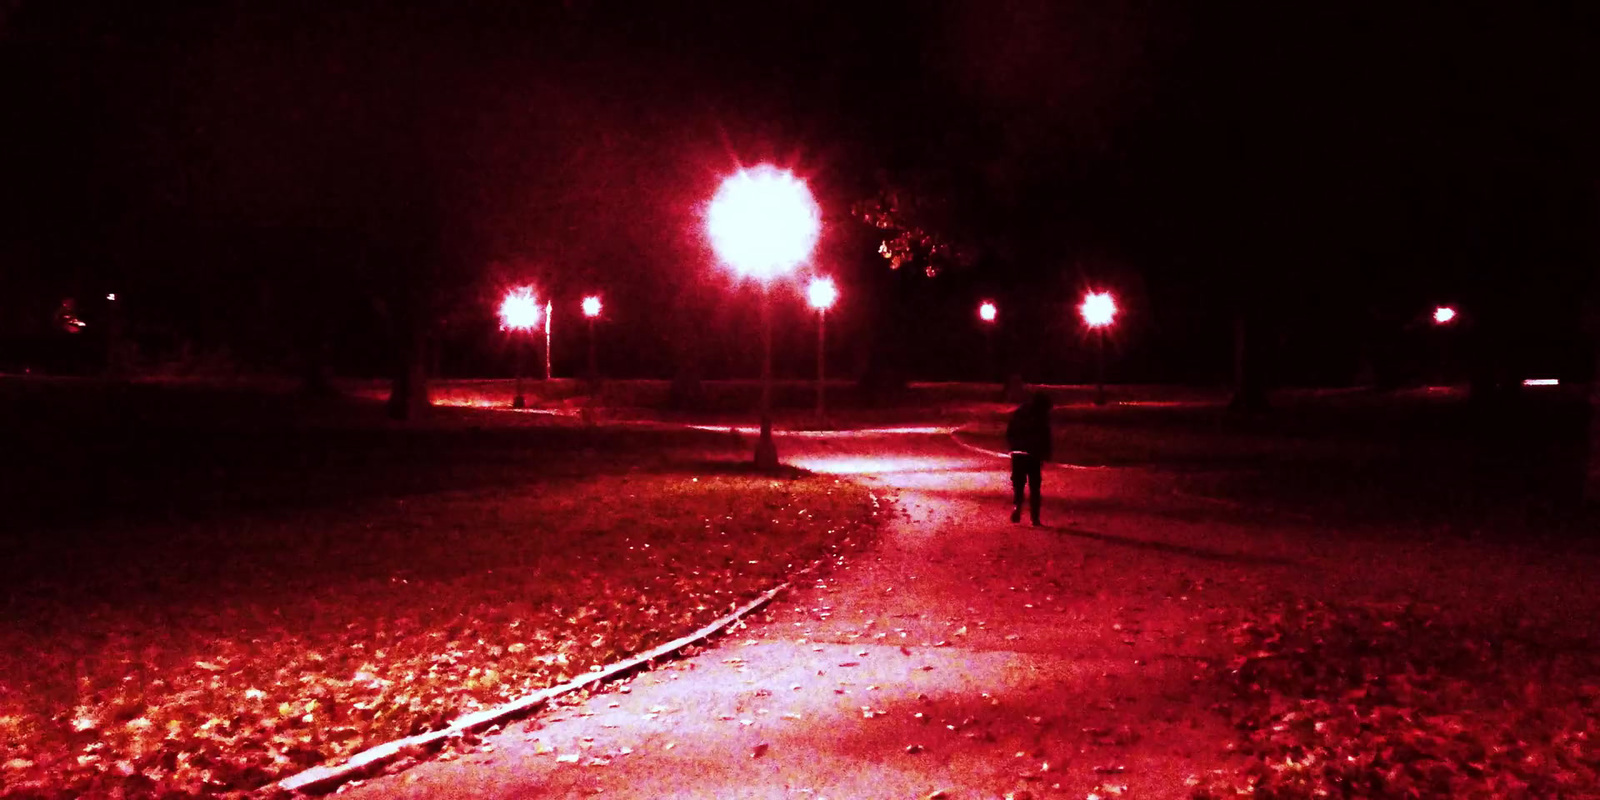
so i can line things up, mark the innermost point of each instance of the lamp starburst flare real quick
(822, 293)
(520, 310)
(1098, 309)
(763, 222)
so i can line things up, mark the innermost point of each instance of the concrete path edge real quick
(325, 777)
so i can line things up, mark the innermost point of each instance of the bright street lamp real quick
(763, 222)
(1444, 315)
(821, 295)
(519, 312)
(986, 311)
(1099, 309)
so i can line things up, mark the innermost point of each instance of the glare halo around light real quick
(1098, 309)
(822, 293)
(520, 310)
(763, 222)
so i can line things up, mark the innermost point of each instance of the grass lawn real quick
(229, 604)
(1404, 700)
(1357, 457)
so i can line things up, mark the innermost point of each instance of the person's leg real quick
(1019, 477)
(1036, 493)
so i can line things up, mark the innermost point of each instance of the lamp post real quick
(987, 314)
(763, 222)
(591, 311)
(821, 294)
(1444, 318)
(519, 313)
(549, 316)
(1098, 310)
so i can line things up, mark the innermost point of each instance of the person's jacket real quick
(1029, 432)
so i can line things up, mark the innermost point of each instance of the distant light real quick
(112, 296)
(763, 221)
(1098, 309)
(986, 311)
(1443, 314)
(821, 293)
(520, 310)
(591, 306)
(1542, 382)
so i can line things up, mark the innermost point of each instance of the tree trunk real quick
(1249, 385)
(1591, 486)
(408, 393)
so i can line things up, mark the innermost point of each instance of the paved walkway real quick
(963, 655)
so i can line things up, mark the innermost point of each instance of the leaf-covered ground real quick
(331, 630)
(1392, 701)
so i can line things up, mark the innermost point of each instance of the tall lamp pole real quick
(519, 313)
(549, 317)
(1098, 310)
(591, 310)
(987, 314)
(763, 222)
(821, 294)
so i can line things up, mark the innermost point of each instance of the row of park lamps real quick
(520, 312)
(763, 223)
(1098, 310)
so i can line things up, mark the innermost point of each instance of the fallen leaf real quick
(759, 750)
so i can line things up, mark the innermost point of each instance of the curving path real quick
(963, 655)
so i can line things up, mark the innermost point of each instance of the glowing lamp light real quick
(1443, 315)
(112, 297)
(591, 306)
(520, 310)
(986, 311)
(1542, 382)
(821, 293)
(763, 222)
(1098, 309)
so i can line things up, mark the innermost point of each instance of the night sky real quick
(280, 177)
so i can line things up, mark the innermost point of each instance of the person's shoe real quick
(1036, 522)
(1016, 515)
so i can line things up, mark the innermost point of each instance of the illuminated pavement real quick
(963, 654)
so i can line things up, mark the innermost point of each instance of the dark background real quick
(267, 184)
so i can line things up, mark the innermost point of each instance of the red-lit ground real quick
(1341, 555)
(202, 592)
(1095, 657)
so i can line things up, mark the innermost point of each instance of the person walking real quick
(1028, 437)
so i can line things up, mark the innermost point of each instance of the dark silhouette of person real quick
(1028, 437)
